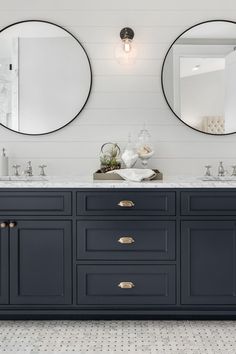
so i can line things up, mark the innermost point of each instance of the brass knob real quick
(12, 224)
(126, 240)
(3, 225)
(126, 203)
(126, 285)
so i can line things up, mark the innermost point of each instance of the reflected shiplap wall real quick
(123, 97)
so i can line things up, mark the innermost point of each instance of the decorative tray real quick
(98, 175)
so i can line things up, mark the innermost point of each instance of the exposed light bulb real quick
(127, 45)
(125, 54)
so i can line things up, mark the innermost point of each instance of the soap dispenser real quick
(4, 163)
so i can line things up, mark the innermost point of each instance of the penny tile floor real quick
(167, 337)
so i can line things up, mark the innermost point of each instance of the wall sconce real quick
(125, 53)
(127, 35)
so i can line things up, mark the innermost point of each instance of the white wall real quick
(61, 84)
(122, 97)
(202, 95)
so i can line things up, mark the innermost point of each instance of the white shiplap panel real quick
(85, 166)
(119, 18)
(123, 97)
(120, 5)
(123, 100)
(114, 132)
(107, 50)
(90, 149)
(139, 67)
(126, 83)
(110, 34)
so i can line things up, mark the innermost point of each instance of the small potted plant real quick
(110, 157)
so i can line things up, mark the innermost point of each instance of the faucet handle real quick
(16, 167)
(234, 170)
(42, 170)
(208, 170)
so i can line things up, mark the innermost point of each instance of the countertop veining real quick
(88, 182)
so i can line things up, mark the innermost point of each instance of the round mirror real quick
(199, 77)
(45, 77)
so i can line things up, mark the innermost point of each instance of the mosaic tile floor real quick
(170, 337)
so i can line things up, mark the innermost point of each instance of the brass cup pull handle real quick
(3, 225)
(12, 224)
(126, 285)
(126, 204)
(127, 240)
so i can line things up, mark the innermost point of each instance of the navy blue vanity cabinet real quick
(126, 203)
(117, 253)
(125, 240)
(126, 284)
(208, 254)
(40, 262)
(211, 202)
(36, 203)
(4, 263)
(134, 232)
(35, 247)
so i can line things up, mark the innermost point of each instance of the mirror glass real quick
(199, 77)
(45, 77)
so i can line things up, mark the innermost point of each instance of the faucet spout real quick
(29, 170)
(221, 170)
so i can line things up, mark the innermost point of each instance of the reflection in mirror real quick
(199, 77)
(45, 77)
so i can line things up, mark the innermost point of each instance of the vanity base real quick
(116, 254)
(117, 315)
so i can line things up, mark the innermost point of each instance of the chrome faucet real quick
(42, 170)
(29, 170)
(16, 170)
(221, 170)
(208, 170)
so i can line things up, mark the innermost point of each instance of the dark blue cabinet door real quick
(4, 266)
(40, 262)
(208, 262)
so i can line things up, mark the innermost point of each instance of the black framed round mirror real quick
(199, 77)
(45, 77)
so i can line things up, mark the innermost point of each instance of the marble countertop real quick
(87, 182)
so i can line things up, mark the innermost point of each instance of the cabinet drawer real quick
(208, 203)
(126, 240)
(35, 203)
(126, 284)
(125, 203)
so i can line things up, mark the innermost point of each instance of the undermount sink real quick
(22, 178)
(218, 178)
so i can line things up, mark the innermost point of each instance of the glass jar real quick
(144, 146)
(130, 155)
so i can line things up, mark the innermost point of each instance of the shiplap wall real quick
(123, 97)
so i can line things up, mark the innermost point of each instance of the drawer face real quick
(139, 203)
(35, 203)
(125, 284)
(126, 240)
(208, 203)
